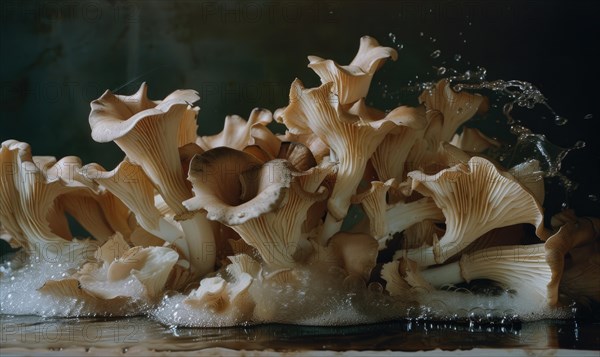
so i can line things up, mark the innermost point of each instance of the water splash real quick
(528, 144)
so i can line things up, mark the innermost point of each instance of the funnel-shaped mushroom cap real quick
(389, 159)
(355, 252)
(403, 278)
(131, 185)
(353, 139)
(318, 148)
(475, 198)
(352, 82)
(569, 236)
(223, 297)
(118, 274)
(27, 197)
(149, 134)
(265, 204)
(522, 268)
(580, 278)
(237, 132)
(447, 110)
(473, 140)
(374, 204)
(531, 176)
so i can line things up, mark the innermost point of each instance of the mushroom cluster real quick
(222, 221)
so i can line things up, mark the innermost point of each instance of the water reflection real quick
(59, 334)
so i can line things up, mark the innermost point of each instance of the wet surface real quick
(56, 334)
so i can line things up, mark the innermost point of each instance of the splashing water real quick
(529, 145)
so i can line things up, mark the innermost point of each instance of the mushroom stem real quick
(201, 242)
(169, 233)
(403, 215)
(330, 227)
(443, 275)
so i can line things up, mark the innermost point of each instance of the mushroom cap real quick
(475, 198)
(352, 82)
(113, 116)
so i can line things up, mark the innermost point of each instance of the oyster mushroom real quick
(352, 82)
(475, 198)
(131, 185)
(473, 140)
(237, 132)
(27, 196)
(352, 140)
(118, 274)
(523, 268)
(403, 278)
(447, 110)
(149, 134)
(386, 220)
(265, 204)
(531, 176)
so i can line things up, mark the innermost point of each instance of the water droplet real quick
(579, 144)
(435, 54)
(421, 34)
(564, 205)
(457, 57)
(558, 120)
(400, 46)
(588, 116)
(592, 197)
(441, 70)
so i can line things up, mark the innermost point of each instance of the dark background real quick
(57, 56)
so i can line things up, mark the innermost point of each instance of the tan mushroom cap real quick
(447, 110)
(106, 284)
(237, 132)
(374, 204)
(130, 184)
(473, 140)
(351, 138)
(149, 134)
(352, 82)
(355, 252)
(265, 204)
(475, 198)
(27, 198)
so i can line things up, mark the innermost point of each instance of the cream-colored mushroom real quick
(355, 252)
(531, 176)
(386, 220)
(523, 268)
(475, 198)
(473, 141)
(318, 148)
(265, 204)
(403, 279)
(447, 110)
(119, 273)
(237, 132)
(27, 197)
(352, 140)
(149, 134)
(131, 185)
(352, 82)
